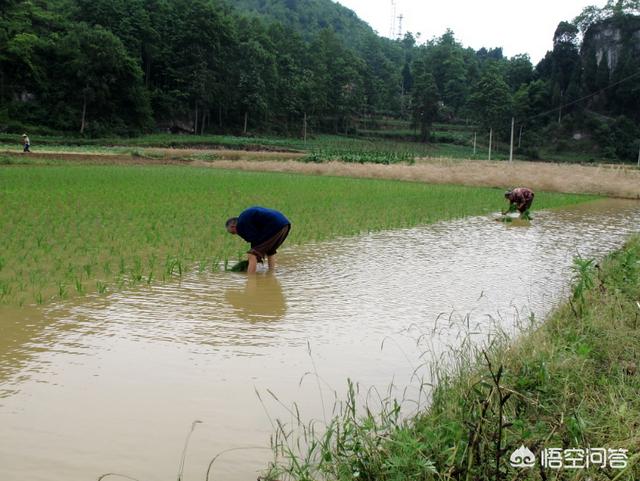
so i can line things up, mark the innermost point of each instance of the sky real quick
(515, 25)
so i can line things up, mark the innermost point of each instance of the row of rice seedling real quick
(72, 229)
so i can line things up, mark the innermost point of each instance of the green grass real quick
(72, 229)
(571, 383)
(334, 144)
(453, 141)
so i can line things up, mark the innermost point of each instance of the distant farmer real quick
(265, 229)
(26, 143)
(520, 199)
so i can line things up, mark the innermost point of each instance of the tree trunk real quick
(304, 128)
(490, 141)
(195, 127)
(147, 74)
(84, 111)
(246, 120)
(220, 116)
(520, 137)
(425, 131)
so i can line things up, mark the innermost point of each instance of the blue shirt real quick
(259, 224)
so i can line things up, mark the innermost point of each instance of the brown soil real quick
(612, 181)
(159, 156)
(609, 180)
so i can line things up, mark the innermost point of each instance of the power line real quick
(556, 109)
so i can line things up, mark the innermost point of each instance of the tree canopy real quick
(128, 66)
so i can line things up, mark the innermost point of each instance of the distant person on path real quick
(26, 143)
(520, 199)
(265, 229)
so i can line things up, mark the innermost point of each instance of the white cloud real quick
(516, 26)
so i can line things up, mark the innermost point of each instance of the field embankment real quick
(570, 385)
(612, 181)
(156, 156)
(621, 181)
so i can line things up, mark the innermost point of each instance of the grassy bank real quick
(72, 229)
(571, 383)
(386, 147)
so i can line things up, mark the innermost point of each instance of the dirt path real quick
(158, 156)
(612, 181)
(609, 180)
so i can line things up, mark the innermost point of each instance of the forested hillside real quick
(311, 16)
(98, 67)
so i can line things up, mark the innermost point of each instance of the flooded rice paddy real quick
(112, 384)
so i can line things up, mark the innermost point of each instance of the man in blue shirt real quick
(265, 229)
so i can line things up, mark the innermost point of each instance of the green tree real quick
(425, 98)
(104, 82)
(338, 76)
(193, 68)
(531, 100)
(446, 57)
(256, 76)
(491, 100)
(519, 71)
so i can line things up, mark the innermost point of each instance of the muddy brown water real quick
(113, 383)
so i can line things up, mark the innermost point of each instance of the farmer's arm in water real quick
(512, 208)
(253, 264)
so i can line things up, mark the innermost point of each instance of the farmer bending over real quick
(520, 199)
(265, 229)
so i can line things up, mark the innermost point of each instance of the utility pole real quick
(513, 123)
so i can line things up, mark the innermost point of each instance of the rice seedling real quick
(101, 287)
(240, 266)
(115, 224)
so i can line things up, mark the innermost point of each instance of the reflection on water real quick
(112, 384)
(260, 299)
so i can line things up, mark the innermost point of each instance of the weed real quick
(569, 383)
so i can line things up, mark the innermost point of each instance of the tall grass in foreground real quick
(70, 230)
(570, 383)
